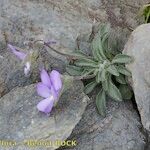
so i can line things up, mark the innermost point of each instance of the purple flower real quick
(19, 54)
(22, 56)
(49, 88)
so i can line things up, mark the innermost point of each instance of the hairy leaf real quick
(87, 72)
(98, 77)
(86, 62)
(123, 70)
(125, 92)
(121, 79)
(101, 103)
(74, 70)
(105, 83)
(89, 87)
(113, 91)
(103, 75)
(104, 29)
(112, 70)
(122, 58)
(98, 43)
(95, 49)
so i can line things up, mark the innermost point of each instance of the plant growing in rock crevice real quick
(145, 12)
(105, 68)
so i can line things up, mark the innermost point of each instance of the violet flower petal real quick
(43, 90)
(20, 55)
(45, 78)
(54, 93)
(55, 78)
(46, 105)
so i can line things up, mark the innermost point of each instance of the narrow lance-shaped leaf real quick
(104, 29)
(113, 91)
(88, 72)
(98, 77)
(123, 70)
(98, 43)
(105, 83)
(121, 79)
(86, 62)
(95, 49)
(103, 75)
(100, 48)
(74, 70)
(112, 70)
(89, 87)
(125, 92)
(122, 58)
(101, 103)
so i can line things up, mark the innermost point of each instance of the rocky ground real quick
(68, 22)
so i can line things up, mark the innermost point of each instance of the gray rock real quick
(60, 20)
(12, 74)
(22, 22)
(138, 47)
(120, 130)
(20, 120)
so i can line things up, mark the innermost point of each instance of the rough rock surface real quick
(120, 130)
(22, 21)
(138, 47)
(20, 119)
(12, 74)
(62, 21)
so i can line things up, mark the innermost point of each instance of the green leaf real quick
(89, 87)
(67, 82)
(103, 75)
(112, 70)
(105, 83)
(74, 70)
(101, 103)
(95, 50)
(113, 91)
(104, 28)
(125, 92)
(99, 42)
(98, 77)
(96, 71)
(122, 58)
(86, 63)
(123, 70)
(87, 72)
(121, 79)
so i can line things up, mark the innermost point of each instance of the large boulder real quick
(121, 129)
(138, 47)
(62, 21)
(20, 120)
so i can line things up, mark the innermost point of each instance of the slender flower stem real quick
(58, 52)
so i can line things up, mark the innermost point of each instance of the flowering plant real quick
(22, 56)
(50, 89)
